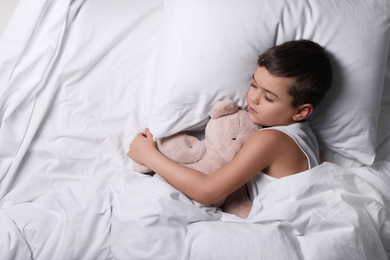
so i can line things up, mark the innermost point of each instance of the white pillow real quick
(210, 49)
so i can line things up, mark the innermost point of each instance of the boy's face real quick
(268, 99)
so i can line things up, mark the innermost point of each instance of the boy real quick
(288, 83)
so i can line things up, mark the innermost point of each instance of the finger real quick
(148, 133)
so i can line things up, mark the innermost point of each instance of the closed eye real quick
(268, 99)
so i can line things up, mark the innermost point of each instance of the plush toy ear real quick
(223, 108)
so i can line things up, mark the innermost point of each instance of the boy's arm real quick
(208, 188)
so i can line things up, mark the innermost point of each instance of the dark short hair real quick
(304, 61)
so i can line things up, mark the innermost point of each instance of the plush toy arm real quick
(182, 148)
(140, 168)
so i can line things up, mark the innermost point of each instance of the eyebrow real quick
(266, 90)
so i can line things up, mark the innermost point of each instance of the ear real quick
(303, 112)
(223, 108)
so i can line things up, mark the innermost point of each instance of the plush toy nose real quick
(234, 138)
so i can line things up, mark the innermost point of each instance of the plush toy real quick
(227, 130)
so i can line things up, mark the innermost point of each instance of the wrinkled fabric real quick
(71, 99)
(325, 213)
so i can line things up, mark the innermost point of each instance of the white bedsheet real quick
(76, 80)
(76, 83)
(325, 213)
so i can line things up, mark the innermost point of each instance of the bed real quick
(79, 79)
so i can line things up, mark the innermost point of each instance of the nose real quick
(254, 99)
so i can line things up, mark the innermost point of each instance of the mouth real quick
(251, 110)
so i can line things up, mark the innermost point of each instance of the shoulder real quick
(268, 150)
(285, 157)
(273, 145)
(279, 140)
(271, 137)
(266, 144)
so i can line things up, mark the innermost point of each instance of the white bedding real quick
(326, 213)
(76, 84)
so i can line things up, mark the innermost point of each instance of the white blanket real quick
(76, 83)
(325, 213)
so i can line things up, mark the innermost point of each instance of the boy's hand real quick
(141, 147)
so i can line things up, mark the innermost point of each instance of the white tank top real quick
(304, 137)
